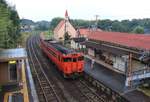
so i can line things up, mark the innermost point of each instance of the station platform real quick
(15, 77)
(113, 80)
(108, 77)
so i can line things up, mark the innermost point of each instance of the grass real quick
(23, 38)
(25, 35)
(48, 34)
(145, 90)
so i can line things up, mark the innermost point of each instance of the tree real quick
(138, 30)
(55, 22)
(66, 38)
(9, 26)
(118, 26)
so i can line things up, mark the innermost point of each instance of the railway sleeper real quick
(109, 94)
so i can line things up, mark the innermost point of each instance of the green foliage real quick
(42, 25)
(24, 22)
(48, 34)
(138, 30)
(117, 26)
(66, 36)
(22, 39)
(80, 23)
(55, 22)
(108, 25)
(9, 26)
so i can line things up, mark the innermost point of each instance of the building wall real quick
(70, 29)
(75, 45)
(4, 73)
(60, 33)
(119, 63)
(91, 52)
(137, 65)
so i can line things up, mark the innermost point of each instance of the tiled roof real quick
(59, 25)
(79, 39)
(12, 54)
(139, 41)
(86, 31)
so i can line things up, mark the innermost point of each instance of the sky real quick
(37, 10)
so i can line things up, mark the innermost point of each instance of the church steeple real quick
(66, 15)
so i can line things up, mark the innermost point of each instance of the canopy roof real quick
(12, 54)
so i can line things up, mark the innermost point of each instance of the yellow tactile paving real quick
(25, 89)
(6, 97)
(7, 94)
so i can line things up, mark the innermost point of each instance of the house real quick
(128, 54)
(63, 27)
(83, 33)
(76, 43)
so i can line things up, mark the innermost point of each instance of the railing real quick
(138, 75)
(142, 71)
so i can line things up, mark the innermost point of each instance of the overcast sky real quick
(82, 9)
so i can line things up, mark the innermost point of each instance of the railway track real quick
(91, 95)
(51, 87)
(45, 90)
(86, 93)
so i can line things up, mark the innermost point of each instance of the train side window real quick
(13, 71)
(74, 59)
(81, 58)
(59, 58)
(67, 59)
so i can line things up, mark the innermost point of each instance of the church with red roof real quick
(63, 27)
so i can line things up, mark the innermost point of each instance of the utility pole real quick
(96, 21)
(130, 70)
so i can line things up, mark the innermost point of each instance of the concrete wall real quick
(119, 63)
(75, 45)
(91, 52)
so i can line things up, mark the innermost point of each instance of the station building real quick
(127, 54)
(10, 65)
(12, 74)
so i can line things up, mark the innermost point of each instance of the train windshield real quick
(74, 59)
(67, 60)
(81, 58)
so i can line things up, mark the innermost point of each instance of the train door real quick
(12, 71)
(67, 65)
(80, 63)
(74, 64)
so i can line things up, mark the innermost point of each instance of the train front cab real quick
(73, 66)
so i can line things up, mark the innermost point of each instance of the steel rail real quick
(45, 85)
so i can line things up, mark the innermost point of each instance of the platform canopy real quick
(12, 54)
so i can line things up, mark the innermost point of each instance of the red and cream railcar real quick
(69, 62)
